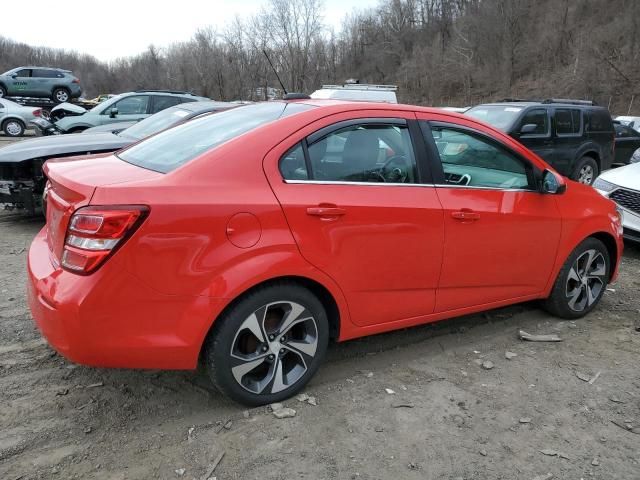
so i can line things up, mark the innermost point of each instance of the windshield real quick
(102, 105)
(155, 123)
(499, 116)
(174, 147)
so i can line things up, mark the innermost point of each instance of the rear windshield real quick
(174, 147)
(499, 116)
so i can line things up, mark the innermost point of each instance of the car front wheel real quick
(60, 95)
(581, 282)
(268, 345)
(13, 128)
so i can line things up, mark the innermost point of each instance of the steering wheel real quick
(394, 170)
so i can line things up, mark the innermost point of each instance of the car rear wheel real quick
(581, 282)
(3, 91)
(586, 171)
(61, 95)
(13, 128)
(268, 345)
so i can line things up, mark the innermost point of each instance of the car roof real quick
(204, 105)
(527, 104)
(44, 68)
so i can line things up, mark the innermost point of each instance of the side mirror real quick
(552, 184)
(113, 113)
(528, 129)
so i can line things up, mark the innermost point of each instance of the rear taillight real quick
(75, 80)
(37, 112)
(95, 233)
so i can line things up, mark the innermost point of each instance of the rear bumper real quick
(76, 90)
(111, 319)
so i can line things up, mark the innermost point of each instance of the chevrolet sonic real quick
(249, 239)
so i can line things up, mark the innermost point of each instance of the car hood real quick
(67, 109)
(61, 145)
(627, 176)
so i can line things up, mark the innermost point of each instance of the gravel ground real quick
(528, 417)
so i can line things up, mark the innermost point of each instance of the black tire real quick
(586, 171)
(60, 95)
(3, 91)
(13, 127)
(563, 294)
(261, 384)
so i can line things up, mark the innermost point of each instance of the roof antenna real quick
(274, 71)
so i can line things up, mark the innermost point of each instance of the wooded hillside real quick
(439, 52)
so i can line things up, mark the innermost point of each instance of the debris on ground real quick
(487, 365)
(483, 453)
(312, 401)
(554, 453)
(94, 385)
(583, 376)
(280, 411)
(627, 426)
(548, 476)
(552, 337)
(595, 377)
(302, 397)
(510, 355)
(595, 462)
(180, 471)
(213, 466)
(525, 420)
(389, 391)
(402, 405)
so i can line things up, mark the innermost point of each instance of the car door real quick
(41, 83)
(19, 83)
(352, 195)
(131, 108)
(539, 141)
(568, 128)
(501, 235)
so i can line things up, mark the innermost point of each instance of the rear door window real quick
(164, 101)
(376, 153)
(600, 121)
(568, 121)
(41, 73)
(134, 105)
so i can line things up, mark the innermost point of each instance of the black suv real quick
(576, 137)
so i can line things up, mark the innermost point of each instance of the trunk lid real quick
(72, 183)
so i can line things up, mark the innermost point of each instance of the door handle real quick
(326, 211)
(465, 215)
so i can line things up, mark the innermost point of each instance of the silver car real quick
(14, 118)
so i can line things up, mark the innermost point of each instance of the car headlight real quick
(620, 213)
(635, 158)
(603, 185)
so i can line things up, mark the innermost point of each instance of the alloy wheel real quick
(273, 347)
(13, 128)
(586, 280)
(586, 175)
(62, 96)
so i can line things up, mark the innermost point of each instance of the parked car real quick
(627, 142)
(622, 185)
(14, 118)
(55, 83)
(22, 180)
(126, 107)
(100, 98)
(358, 91)
(629, 121)
(574, 136)
(251, 237)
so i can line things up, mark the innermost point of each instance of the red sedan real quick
(250, 238)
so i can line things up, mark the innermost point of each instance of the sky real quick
(118, 28)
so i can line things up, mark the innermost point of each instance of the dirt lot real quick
(449, 417)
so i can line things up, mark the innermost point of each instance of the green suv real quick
(54, 83)
(126, 107)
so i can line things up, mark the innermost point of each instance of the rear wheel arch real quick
(316, 288)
